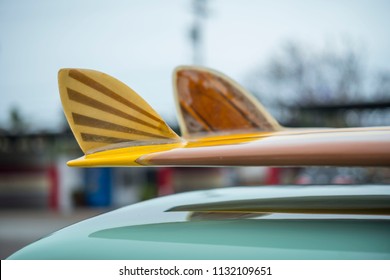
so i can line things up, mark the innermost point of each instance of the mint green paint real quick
(147, 231)
(337, 235)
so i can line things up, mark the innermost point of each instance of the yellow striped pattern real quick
(104, 113)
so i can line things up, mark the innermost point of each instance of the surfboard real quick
(221, 124)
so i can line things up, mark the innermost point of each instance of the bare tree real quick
(298, 76)
(18, 124)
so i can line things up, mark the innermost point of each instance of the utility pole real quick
(196, 31)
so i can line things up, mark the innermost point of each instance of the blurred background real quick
(312, 63)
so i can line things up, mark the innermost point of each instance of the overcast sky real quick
(140, 42)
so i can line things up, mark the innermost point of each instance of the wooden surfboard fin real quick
(209, 102)
(104, 113)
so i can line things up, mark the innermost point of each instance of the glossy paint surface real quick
(354, 147)
(148, 231)
(338, 147)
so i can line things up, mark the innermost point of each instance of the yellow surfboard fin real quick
(104, 113)
(209, 102)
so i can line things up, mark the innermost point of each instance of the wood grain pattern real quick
(209, 102)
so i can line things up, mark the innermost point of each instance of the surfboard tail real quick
(114, 126)
(105, 114)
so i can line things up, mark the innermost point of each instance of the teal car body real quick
(162, 228)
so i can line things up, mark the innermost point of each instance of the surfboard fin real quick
(104, 113)
(209, 102)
